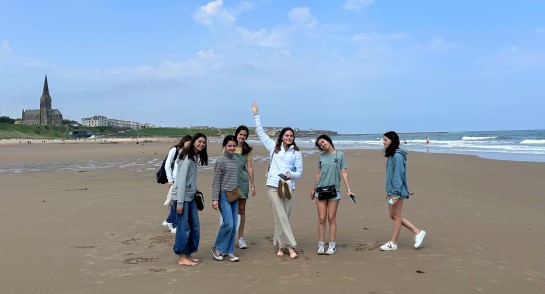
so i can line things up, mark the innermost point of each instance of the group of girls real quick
(233, 172)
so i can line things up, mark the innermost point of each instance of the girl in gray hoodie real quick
(397, 191)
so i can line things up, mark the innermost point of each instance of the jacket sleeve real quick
(265, 140)
(399, 172)
(216, 183)
(181, 181)
(168, 163)
(298, 166)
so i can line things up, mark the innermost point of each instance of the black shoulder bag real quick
(328, 192)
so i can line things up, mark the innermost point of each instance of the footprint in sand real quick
(361, 247)
(84, 247)
(130, 241)
(136, 260)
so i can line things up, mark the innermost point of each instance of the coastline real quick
(98, 229)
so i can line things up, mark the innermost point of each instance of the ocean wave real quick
(533, 141)
(471, 138)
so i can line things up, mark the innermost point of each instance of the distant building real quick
(80, 134)
(102, 121)
(45, 116)
(95, 121)
(148, 126)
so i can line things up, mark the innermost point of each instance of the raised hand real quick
(255, 109)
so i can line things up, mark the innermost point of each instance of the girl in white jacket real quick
(285, 162)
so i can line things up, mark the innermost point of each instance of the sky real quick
(352, 66)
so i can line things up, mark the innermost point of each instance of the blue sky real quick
(354, 66)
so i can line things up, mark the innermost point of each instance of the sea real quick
(519, 145)
(499, 145)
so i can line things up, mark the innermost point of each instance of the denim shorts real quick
(334, 198)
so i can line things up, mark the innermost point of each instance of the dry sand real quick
(86, 218)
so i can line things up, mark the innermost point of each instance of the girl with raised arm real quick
(286, 165)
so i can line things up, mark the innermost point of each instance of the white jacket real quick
(168, 164)
(284, 161)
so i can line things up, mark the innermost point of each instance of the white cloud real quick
(357, 4)
(284, 52)
(539, 30)
(512, 50)
(278, 37)
(166, 68)
(302, 17)
(213, 14)
(438, 44)
(5, 50)
(511, 59)
(374, 36)
(205, 54)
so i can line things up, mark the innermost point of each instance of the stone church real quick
(45, 116)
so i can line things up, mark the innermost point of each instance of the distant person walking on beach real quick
(331, 167)
(225, 181)
(243, 156)
(286, 165)
(185, 187)
(397, 191)
(170, 222)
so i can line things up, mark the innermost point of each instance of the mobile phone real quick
(352, 198)
(283, 177)
(391, 201)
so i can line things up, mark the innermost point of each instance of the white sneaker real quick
(418, 238)
(242, 243)
(173, 231)
(217, 254)
(388, 246)
(167, 225)
(232, 257)
(331, 249)
(321, 247)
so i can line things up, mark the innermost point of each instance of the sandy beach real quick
(86, 218)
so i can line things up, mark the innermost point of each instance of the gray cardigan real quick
(185, 184)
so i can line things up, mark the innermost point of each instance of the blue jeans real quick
(188, 231)
(173, 216)
(225, 241)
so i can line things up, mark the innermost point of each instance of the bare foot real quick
(193, 258)
(280, 252)
(293, 255)
(184, 260)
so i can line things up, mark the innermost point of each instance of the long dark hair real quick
(279, 140)
(184, 139)
(394, 145)
(245, 147)
(325, 137)
(202, 155)
(229, 138)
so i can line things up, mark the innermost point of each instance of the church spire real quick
(46, 87)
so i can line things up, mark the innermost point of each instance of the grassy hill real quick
(12, 131)
(174, 132)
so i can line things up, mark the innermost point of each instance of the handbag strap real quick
(336, 170)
